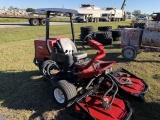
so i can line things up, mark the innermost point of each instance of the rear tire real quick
(29, 20)
(42, 21)
(63, 93)
(34, 21)
(104, 28)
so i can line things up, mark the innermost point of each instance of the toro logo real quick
(40, 47)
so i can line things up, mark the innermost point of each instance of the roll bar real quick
(48, 27)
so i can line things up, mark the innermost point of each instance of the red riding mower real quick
(86, 83)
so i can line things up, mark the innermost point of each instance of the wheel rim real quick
(128, 53)
(35, 22)
(43, 22)
(59, 96)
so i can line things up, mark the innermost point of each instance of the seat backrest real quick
(67, 46)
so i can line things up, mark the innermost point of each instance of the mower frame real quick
(80, 76)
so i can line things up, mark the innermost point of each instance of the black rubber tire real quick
(139, 25)
(103, 35)
(104, 28)
(68, 90)
(124, 26)
(42, 21)
(116, 38)
(87, 28)
(116, 33)
(34, 22)
(107, 41)
(29, 20)
(85, 31)
(130, 51)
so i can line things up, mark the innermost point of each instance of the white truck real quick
(94, 17)
(114, 15)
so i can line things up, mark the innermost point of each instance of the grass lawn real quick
(23, 93)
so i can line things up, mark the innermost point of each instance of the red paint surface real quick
(117, 111)
(95, 69)
(41, 50)
(136, 87)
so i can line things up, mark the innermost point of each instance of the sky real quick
(146, 6)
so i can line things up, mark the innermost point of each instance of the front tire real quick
(63, 93)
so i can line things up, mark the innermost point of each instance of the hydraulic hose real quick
(111, 88)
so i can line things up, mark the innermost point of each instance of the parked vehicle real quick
(142, 18)
(93, 17)
(114, 14)
(87, 17)
(106, 17)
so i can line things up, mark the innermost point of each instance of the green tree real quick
(137, 12)
(30, 10)
(128, 13)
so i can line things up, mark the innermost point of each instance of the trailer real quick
(136, 40)
(33, 19)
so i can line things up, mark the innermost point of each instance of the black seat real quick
(67, 53)
(68, 47)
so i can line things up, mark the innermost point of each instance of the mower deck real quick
(92, 105)
(137, 86)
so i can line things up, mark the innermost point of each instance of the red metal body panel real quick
(95, 66)
(100, 54)
(117, 111)
(136, 87)
(41, 51)
(95, 69)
